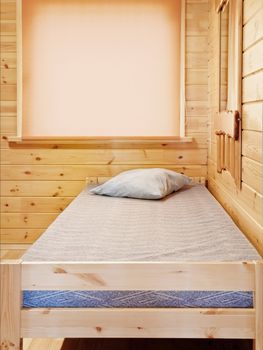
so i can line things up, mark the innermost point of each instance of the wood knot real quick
(38, 158)
(59, 270)
(98, 329)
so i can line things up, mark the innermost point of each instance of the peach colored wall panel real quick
(101, 68)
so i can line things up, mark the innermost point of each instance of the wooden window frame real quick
(100, 141)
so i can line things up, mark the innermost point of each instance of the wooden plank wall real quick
(37, 184)
(245, 206)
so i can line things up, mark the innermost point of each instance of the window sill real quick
(101, 142)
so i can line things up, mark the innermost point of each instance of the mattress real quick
(189, 225)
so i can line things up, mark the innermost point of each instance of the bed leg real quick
(258, 342)
(10, 305)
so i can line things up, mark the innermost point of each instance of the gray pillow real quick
(154, 183)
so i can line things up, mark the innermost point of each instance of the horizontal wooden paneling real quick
(8, 43)
(8, 10)
(8, 92)
(83, 156)
(196, 60)
(79, 172)
(196, 92)
(251, 7)
(252, 116)
(41, 188)
(252, 174)
(196, 76)
(27, 220)
(19, 235)
(253, 87)
(34, 204)
(8, 76)
(8, 125)
(7, 27)
(8, 60)
(253, 58)
(252, 145)
(253, 29)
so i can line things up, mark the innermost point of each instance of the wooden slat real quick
(252, 174)
(196, 92)
(79, 172)
(253, 59)
(251, 7)
(10, 303)
(196, 108)
(20, 235)
(97, 156)
(8, 76)
(8, 10)
(27, 220)
(8, 125)
(139, 323)
(253, 87)
(8, 109)
(41, 188)
(8, 60)
(252, 116)
(8, 27)
(196, 76)
(196, 44)
(253, 30)
(34, 204)
(8, 92)
(8, 44)
(196, 60)
(138, 276)
(252, 145)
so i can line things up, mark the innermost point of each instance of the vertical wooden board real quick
(10, 305)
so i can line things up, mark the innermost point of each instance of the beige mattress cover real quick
(189, 225)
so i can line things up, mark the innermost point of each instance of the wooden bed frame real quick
(226, 323)
(18, 323)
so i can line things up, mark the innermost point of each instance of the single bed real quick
(119, 267)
